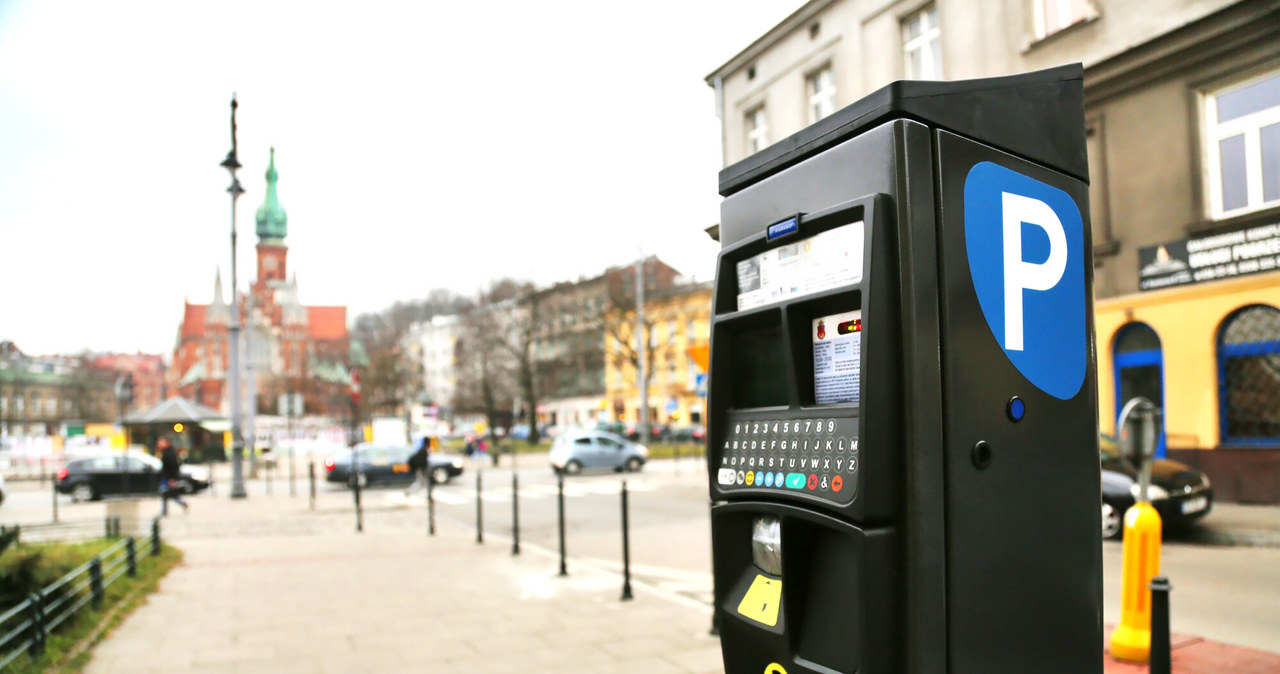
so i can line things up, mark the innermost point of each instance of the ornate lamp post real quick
(232, 163)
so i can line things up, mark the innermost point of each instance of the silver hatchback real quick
(574, 451)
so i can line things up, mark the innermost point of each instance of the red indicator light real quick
(849, 327)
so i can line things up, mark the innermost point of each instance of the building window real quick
(1243, 137)
(922, 45)
(821, 87)
(1139, 370)
(1249, 376)
(1099, 206)
(757, 130)
(1054, 15)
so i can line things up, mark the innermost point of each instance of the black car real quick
(90, 478)
(388, 464)
(1180, 493)
(687, 434)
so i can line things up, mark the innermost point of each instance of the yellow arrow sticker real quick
(761, 601)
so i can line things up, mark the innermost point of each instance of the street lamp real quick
(231, 164)
(124, 396)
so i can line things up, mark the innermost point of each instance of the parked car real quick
(574, 451)
(1180, 493)
(89, 478)
(4, 490)
(687, 434)
(388, 464)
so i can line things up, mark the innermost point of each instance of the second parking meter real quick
(902, 401)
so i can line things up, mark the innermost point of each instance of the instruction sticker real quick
(837, 357)
(821, 262)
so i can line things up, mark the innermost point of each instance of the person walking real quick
(169, 475)
(418, 463)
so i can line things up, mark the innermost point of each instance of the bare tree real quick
(486, 371)
(392, 378)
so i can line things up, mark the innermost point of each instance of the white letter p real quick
(1020, 275)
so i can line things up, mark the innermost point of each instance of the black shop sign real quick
(1247, 250)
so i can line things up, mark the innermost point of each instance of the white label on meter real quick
(821, 262)
(837, 357)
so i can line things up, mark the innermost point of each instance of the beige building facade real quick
(1183, 125)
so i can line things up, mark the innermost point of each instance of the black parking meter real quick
(902, 406)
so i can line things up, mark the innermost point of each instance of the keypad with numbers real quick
(817, 456)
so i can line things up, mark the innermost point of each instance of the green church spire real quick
(272, 221)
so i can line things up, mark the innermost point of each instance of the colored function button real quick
(727, 476)
(837, 483)
(751, 477)
(813, 482)
(795, 480)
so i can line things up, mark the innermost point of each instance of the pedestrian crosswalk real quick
(457, 494)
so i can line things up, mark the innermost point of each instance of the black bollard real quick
(431, 504)
(479, 511)
(1161, 657)
(355, 490)
(626, 548)
(311, 475)
(515, 512)
(560, 505)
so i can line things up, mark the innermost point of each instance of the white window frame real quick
(929, 38)
(1053, 16)
(757, 135)
(1250, 127)
(822, 100)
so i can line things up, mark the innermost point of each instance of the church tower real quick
(272, 227)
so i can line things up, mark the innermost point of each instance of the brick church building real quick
(290, 347)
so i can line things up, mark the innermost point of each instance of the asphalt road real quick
(1225, 594)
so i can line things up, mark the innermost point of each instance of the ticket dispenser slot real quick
(902, 408)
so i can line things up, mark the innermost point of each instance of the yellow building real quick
(678, 328)
(1209, 355)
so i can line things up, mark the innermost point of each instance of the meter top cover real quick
(1048, 129)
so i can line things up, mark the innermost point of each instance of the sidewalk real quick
(1193, 655)
(268, 586)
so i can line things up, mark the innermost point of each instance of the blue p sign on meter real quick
(1025, 243)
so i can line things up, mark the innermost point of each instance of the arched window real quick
(1139, 369)
(1249, 376)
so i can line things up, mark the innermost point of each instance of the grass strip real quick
(69, 648)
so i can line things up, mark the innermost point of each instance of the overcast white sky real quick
(419, 145)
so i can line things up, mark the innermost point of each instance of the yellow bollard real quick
(1131, 640)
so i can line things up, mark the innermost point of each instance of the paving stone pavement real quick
(269, 587)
